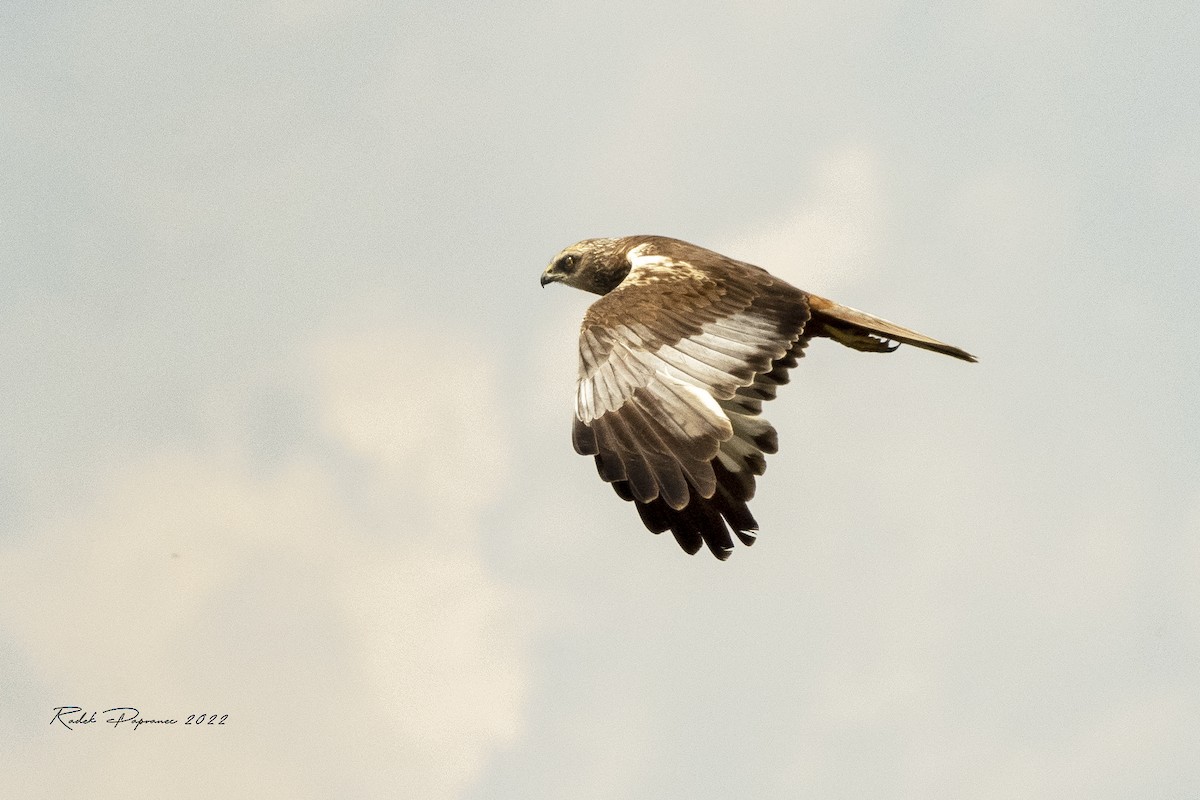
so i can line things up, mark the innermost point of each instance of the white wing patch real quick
(645, 268)
(712, 415)
(716, 362)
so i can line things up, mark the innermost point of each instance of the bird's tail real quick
(862, 331)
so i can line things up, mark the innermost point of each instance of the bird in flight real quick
(675, 361)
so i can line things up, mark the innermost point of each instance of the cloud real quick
(420, 408)
(307, 600)
(831, 234)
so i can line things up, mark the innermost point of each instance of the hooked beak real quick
(550, 277)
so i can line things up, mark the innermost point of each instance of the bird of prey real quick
(675, 361)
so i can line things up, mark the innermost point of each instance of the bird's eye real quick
(567, 263)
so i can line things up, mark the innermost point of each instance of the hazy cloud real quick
(396, 637)
(832, 234)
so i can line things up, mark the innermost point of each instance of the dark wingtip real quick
(748, 537)
(689, 541)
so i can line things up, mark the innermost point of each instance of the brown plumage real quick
(676, 359)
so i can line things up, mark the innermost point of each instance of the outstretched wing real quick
(674, 366)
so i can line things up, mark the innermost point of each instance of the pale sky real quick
(285, 433)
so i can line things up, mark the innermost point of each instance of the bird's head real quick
(593, 265)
